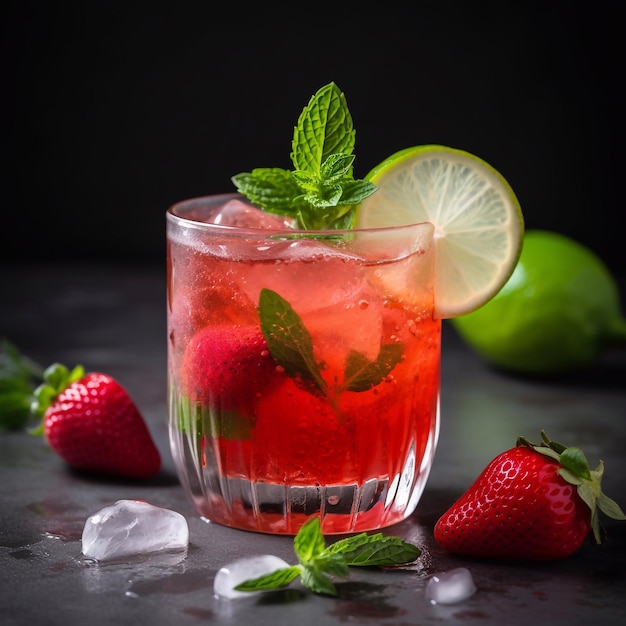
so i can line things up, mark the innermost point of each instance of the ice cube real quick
(133, 527)
(242, 215)
(330, 275)
(450, 587)
(229, 576)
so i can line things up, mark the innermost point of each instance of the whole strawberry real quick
(530, 503)
(92, 423)
(226, 367)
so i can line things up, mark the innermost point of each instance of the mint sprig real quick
(317, 563)
(18, 377)
(321, 192)
(27, 390)
(291, 345)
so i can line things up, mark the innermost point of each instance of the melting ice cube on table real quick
(450, 587)
(133, 527)
(229, 576)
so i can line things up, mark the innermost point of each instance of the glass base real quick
(282, 509)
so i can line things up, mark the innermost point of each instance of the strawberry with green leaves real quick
(88, 419)
(531, 502)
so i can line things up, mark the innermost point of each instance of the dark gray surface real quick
(113, 320)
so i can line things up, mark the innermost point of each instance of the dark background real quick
(113, 110)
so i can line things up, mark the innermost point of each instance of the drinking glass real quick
(303, 368)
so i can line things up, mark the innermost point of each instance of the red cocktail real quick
(303, 368)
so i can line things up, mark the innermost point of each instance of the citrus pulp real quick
(478, 221)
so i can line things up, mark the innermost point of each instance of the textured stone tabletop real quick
(112, 319)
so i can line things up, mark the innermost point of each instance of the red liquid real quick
(255, 447)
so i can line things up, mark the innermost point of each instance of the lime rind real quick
(478, 220)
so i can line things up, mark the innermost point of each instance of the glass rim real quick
(179, 220)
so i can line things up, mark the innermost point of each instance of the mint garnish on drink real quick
(291, 345)
(321, 192)
(318, 563)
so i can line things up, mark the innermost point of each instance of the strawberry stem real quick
(56, 378)
(574, 468)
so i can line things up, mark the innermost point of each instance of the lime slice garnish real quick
(479, 227)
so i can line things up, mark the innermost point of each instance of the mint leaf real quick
(275, 580)
(317, 581)
(273, 189)
(318, 562)
(309, 542)
(321, 193)
(15, 401)
(288, 340)
(368, 550)
(18, 377)
(333, 564)
(195, 417)
(324, 128)
(14, 365)
(362, 374)
(291, 345)
(356, 190)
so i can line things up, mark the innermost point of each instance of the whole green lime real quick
(559, 310)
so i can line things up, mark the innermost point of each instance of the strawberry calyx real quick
(574, 469)
(56, 378)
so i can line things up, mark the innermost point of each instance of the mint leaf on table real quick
(318, 563)
(375, 550)
(321, 192)
(275, 580)
(309, 541)
(18, 378)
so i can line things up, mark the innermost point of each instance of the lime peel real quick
(558, 312)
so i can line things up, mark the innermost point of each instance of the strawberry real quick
(91, 422)
(530, 503)
(227, 366)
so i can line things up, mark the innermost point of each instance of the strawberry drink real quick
(304, 372)
(303, 351)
